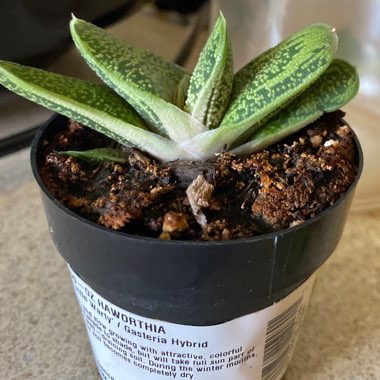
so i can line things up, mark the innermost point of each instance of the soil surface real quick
(228, 198)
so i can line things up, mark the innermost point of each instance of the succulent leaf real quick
(280, 74)
(56, 91)
(335, 87)
(267, 84)
(93, 105)
(145, 80)
(211, 81)
(98, 155)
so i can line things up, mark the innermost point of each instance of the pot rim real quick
(132, 237)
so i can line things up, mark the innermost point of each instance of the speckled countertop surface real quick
(42, 335)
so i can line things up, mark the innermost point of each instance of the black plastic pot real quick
(191, 283)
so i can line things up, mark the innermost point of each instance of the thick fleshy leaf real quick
(269, 83)
(336, 87)
(98, 155)
(211, 82)
(279, 74)
(145, 80)
(93, 105)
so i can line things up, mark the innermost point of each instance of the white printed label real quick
(258, 346)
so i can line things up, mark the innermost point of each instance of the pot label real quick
(258, 346)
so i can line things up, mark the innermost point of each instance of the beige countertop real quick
(42, 335)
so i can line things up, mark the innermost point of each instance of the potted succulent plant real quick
(174, 305)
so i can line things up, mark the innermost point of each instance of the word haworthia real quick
(157, 107)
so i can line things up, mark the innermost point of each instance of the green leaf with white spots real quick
(145, 80)
(93, 105)
(211, 82)
(267, 84)
(63, 93)
(98, 155)
(281, 73)
(332, 90)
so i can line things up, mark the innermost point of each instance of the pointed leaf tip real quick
(211, 82)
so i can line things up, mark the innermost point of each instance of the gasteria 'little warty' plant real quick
(159, 108)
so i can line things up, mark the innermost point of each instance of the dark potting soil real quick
(233, 197)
